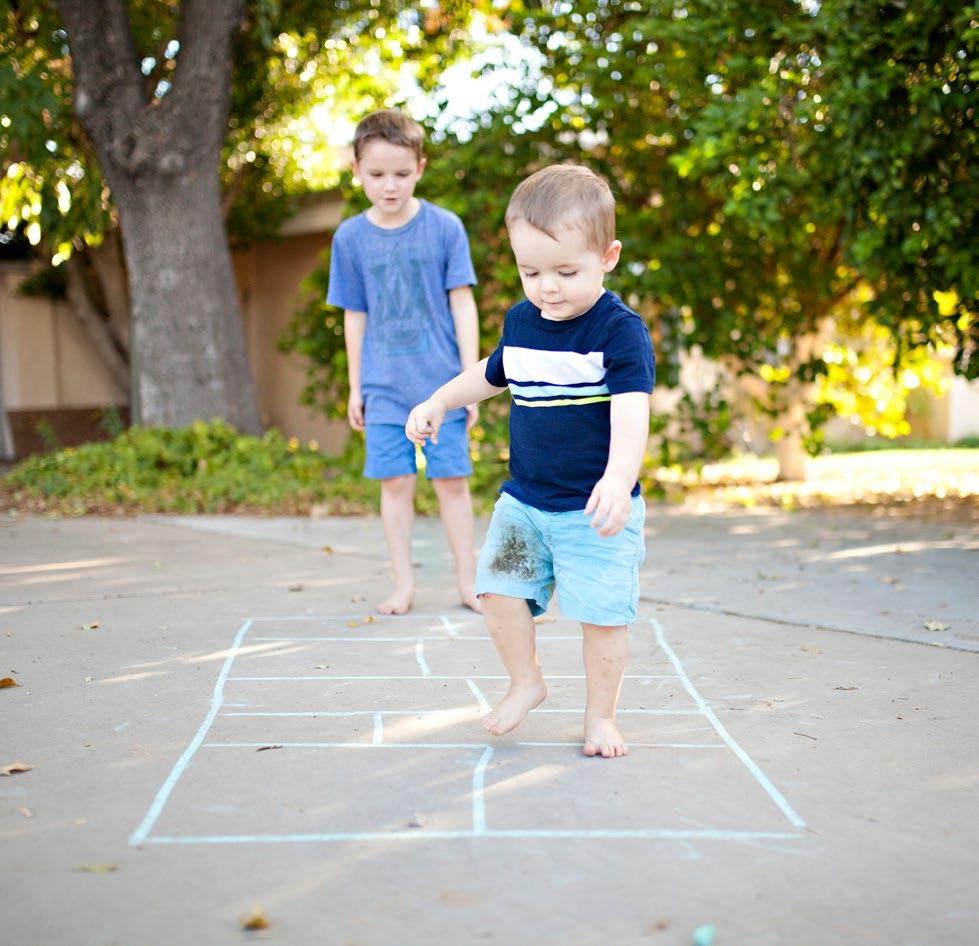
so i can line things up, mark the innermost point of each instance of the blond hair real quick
(567, 194)
(392, 126)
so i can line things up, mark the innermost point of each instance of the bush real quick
(211, 468)
(206, 467)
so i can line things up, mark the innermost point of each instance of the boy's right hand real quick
(355, 411)
(425, 420)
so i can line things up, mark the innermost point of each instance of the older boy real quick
(580, 368)
(402, 273)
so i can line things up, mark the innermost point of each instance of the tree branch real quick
(107, 79)
(96, 327)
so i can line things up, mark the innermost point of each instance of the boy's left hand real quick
(611, 503)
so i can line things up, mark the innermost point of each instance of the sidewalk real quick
(804, 752)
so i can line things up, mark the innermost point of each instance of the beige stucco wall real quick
(46, 362)
(269, 276)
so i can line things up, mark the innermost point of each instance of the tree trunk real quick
(95, 326)
(160, 158)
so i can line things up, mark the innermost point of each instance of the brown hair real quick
(390, 125)
(566, 194)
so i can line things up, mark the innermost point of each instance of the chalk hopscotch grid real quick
(479, 829)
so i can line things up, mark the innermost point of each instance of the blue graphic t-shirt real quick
(562, 376)
(401, 278)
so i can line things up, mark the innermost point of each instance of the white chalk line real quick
(484, 705)
(479, 801)
(425, 834)
(363, 639)
(378, 734)
(431, 676)
(481, 700)
(420, 657)
(378, 743)
(702, 705)
(140, 834)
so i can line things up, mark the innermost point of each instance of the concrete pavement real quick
(803, 770)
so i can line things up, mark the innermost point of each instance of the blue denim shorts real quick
(529, 552)
(391, 453)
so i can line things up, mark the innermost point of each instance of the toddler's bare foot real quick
(520, 700)
(602, 737)
(399, 601)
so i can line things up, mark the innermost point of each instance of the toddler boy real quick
(580, 368)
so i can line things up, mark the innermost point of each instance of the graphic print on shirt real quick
(539, 378)
(401, 317)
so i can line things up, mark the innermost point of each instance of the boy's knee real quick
(451, 486)
(398, 485)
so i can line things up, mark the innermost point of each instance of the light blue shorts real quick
(527, 552)
(390, 453)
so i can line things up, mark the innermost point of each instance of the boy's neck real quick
(391, 222)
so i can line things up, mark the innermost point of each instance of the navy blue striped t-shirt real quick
(562, 375)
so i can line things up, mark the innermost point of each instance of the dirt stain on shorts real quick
(515, 554)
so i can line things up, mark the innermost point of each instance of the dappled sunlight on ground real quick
(886, 477)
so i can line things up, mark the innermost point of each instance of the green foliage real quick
(300, 67)
(201, 468)
(211, 468)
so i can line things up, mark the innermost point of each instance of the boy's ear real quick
(355, 169)
(610, 257)
(422, 163)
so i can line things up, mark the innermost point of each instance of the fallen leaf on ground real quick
(328, 549)
(322, 667)
(91, 626)
(846, 688)
(353, 623)
(809, 649)
(297, 587)
(370, 619)
(98, 868)
(936, 626)
(256, 921)
(658, 926)
(14, 768)
(26, 812)
(8, 682)
(263, 748)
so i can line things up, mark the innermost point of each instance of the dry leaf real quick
(328, 549)
(936, 626)
(322, 667)
(846, 688)
(263, 748)
(370, 619)
(14, 768)
(8, 682)
(26, 812)
(256, 921)
(353, 623)
(809, 649)
(297, 587)
(91, 626)
(98, 868)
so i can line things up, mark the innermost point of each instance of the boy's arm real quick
(469, 387)
(462, 305)
(354, 326)
(611, 499)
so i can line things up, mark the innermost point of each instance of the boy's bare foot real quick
(399, 601)
(519, 701)
(602, 737)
